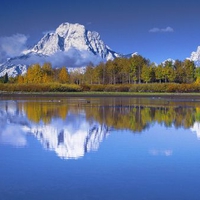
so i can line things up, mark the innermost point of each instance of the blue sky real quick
(156, 29)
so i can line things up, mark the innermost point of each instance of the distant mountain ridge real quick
(69, 43)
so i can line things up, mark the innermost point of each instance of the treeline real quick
(136, 74)
(140, 70)
(136, 69)
(37, 74)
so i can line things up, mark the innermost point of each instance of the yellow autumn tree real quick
(20, 79)
(34, 74)
(63, 76)
(47, 72)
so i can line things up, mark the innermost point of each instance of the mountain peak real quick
(70, 45)
(66, 28)
(73, 36)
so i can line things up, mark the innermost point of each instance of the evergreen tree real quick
(6, 78)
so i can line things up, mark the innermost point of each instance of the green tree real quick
(89, 74)
(179, 70)
(159, 73)
(125, 71)
(99, 73)
(169, 72)
(6, 78)
(189, 67)
(113, 69)
(197, 75)
(47, 72)
(136, 64)
(147, 73)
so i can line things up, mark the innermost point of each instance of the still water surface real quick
(99, 149)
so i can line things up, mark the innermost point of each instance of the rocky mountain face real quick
(69, 44)
(73, 36)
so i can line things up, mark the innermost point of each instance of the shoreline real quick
(191, 96)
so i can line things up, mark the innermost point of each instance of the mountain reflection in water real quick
(72, 129)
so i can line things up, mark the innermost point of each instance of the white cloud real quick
(162, 30)
(12, 46)
(71, 58)
(154, 30)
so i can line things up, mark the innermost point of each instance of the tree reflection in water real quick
(72, 127)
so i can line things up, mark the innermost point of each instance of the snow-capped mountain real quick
(69, 44)
(195, 56)
(12, 69)
(73, 36)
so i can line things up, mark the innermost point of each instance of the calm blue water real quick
(54, 152)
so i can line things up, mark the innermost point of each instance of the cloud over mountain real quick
(70, 45)
(12, 46)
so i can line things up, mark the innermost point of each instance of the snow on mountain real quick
(69, 44)
(12, 69)
(195, 56)
(73, 36)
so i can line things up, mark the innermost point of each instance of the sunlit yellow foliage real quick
(63, 76)
(20, 79)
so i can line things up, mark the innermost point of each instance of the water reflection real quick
(196, 129)
(70, 135)
(73, 127)
(68, 140)
(157, 152)
(12, 123)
